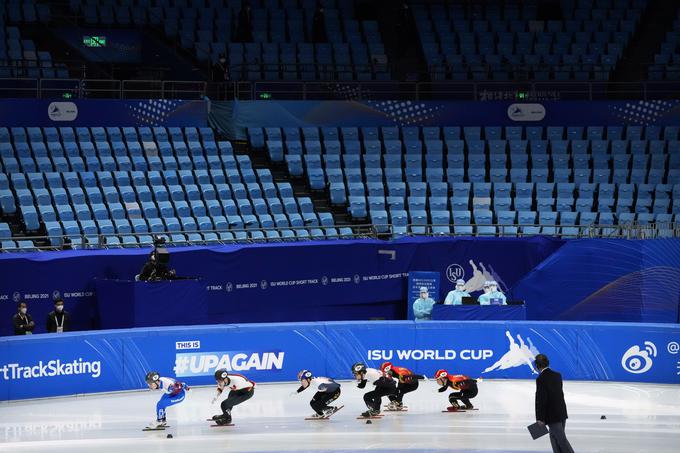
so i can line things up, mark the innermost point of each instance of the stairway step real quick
(320, 198)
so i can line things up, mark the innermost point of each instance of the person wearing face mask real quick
(422, 307)
(496, 297)
(484, 299)
(58, 320)
(23, 322)
(455, 297)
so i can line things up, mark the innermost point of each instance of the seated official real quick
(495, 295)
(23, 322)
(484, 299)
(422, 307)
(455, 297)
(492, 296)
(58, 321)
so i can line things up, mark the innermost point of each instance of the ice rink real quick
(639, 418)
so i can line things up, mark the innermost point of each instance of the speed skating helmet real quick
(441, 374)
(221, 374)
(358, 368)
(305, 374)
(152, 376)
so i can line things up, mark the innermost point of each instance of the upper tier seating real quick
(19, 57)
(282, 45)
(667, 62)
(506, 41)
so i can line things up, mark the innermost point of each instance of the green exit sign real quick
(265, 95)
(522, 95)
(94, 41)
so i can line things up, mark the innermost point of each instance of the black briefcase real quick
(537, 430)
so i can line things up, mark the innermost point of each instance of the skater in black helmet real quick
(383, 386)
(241, 389)
(327, 391)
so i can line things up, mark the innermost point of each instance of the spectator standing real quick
(244, 28)
(23, 322)
(319, 25)
(58, 320)
(220, 75)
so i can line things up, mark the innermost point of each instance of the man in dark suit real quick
(23, 323)
(59, 320)
(551, 409)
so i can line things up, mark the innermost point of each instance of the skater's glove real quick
(362, 384)
(441, 389)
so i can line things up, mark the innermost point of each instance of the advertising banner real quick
(234, 117)
(103, 112)
(51, 365)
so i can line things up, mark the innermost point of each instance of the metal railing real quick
(463, 91)
(334, 89)
(365, 231)
(102, 89)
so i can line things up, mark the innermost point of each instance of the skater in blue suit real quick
(173, 393)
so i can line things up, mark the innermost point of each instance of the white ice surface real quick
(640, 418)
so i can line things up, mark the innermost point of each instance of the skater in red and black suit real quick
(408, 382)
(464, 386)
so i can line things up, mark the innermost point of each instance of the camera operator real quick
(156, 268)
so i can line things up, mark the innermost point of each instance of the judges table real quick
(128, 303)
(479, 312)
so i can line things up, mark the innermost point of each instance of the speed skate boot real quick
(392, 406)
(224, 419)
(454, 407)
(156, 424)
(329, 411)
(370, 413)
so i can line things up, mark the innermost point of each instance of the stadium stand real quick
(487, 180)
(129, 184)
(119, 186)
(667, 61)
(20, 57)
(282, 45)
(507, 41)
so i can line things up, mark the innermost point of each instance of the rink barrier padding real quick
(116, 360)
